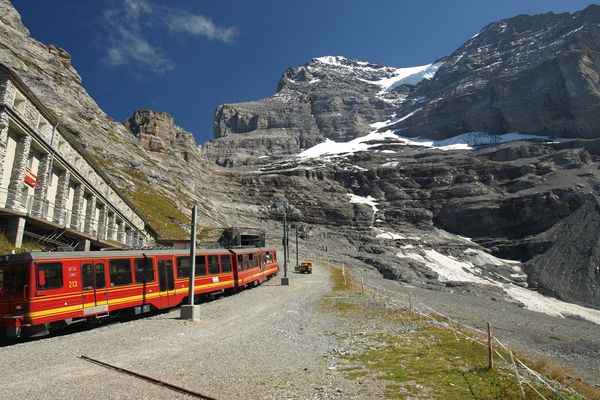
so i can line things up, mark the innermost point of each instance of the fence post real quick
(410, 307)
(362, 284)
(490, 346)
(517, 373)
(344, 275)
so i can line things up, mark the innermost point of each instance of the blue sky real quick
(186, 57)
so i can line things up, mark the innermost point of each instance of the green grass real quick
(6, 247)
(160, 211)
(433, 363)
(427, 360)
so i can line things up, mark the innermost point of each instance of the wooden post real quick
(344, 275)
(362, 285)
(452, 328)
(490, 346)
(410, 307)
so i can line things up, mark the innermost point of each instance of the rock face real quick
(158, 154)
(531, 74)
(327, 98)
(157, 132)
(570, 267)
(524, 74)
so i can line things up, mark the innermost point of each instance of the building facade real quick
(50, 189)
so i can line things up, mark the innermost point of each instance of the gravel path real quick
(268, 342)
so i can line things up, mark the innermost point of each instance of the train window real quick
(144, 273)
(268, 258)
(120, 272)
(251, 261)
(86, 277)
(18, 279)
(183, 267)
(100, 276)
(225, 263)
(240, 262)
(4, 282)
(200, 265)
(170, 283)
(246, 265)
(49, 276)
(213, 265)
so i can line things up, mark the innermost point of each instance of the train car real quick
(254, 266)
(40, 291)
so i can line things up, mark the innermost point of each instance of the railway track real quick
(148, 379)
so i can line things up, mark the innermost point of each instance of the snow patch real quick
(451, 269)
(370, 201)
(535, 301)
(471, 140)
(408, 76)
(331, 148)
(383, 234)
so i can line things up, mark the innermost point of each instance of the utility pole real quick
(285, 280)
(297, 255)
(191, 311)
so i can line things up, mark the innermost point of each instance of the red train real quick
(40, 291)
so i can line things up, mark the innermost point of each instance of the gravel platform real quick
(269, 342)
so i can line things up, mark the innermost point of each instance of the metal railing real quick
(64, 217)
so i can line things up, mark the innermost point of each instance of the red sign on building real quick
(30, 177)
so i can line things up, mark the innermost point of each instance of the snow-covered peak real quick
(409, 76)
(386, 77)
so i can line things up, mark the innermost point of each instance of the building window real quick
(19, 103)
(49, 276)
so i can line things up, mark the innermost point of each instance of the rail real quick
(149, 379)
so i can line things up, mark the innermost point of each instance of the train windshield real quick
(12, 279)
(4, 281)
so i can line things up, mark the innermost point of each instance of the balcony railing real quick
(48, 211)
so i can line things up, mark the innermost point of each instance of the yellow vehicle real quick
(306, 267)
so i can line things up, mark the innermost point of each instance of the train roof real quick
(50, 255)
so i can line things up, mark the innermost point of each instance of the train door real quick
(18, 286)
(4, 291)
(95, 296)
(166, 283)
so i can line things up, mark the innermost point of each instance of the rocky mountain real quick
(531, 74)
(337, 141)
(133, 153)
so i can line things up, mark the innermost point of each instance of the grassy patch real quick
(433, 363)
(6, 247)
(427, 360)
(160, 211)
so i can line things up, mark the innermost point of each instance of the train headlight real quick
(18, 307)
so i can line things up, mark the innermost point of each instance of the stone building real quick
(50, 190)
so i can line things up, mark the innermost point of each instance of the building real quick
(50, 190)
